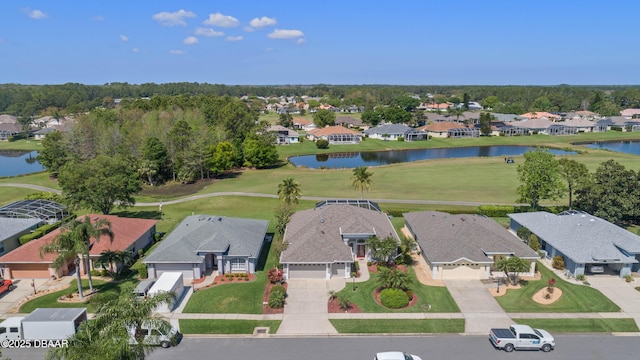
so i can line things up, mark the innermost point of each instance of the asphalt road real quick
(578, 347)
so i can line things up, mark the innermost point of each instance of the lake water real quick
(375, 158)
(629, 147)
(15, 162)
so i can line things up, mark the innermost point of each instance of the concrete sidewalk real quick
(306, 311)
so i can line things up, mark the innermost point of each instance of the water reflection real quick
(19, 162)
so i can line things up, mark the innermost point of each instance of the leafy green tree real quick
(100, 184)
(361, 179)
(147, 169)
(512, 266)
(542, 104)
(465, 101)
(456, 111)
(324, 118)
(289, 191)
(405, 102)
(396, 115)
(115, 261)
(490, 102)
(109, 333)
(259, 153)
(606, 108)
(382, 249)
(485, 123)
(54, 153)
(539, 178)
(283, 216)
(371, 117)
(393, 278)
(573, 172)
(286, 120)
(223, 158)
(155, 152)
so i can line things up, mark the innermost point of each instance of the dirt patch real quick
(545, 297)
(333, 306)
(75, 297)
(266, 309)
(503, 289)
(176, 189)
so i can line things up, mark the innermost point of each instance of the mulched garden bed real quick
(412, 301)
(373, 268)
(333, 306)
(266, 309)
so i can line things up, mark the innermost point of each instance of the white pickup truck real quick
(522, 337)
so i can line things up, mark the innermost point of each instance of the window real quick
(13, 329)
(238, 264)
(3, 330)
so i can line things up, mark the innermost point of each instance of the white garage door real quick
(307, 271)
(462, 271)
(338, 270)
(185, 269)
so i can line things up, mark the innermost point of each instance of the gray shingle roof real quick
(208, 234)
(446, 238)
(582, 237)
(389, 129)
(315, 235)
(10, 227)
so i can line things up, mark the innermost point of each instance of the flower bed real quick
(266, 309)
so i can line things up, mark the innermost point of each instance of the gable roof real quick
(441, 126)
(348, 120)
(301, 121)
(282, 129)
(391, 129)
(316, 235)
(446, 238)
(532, 123)
(582, 237)
(10, 226)
(8, 119)
(125, 232)
(630, 112)
(540, 115)
(208, 234)
(331, 130)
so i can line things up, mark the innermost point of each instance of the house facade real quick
(464, 246)
(324, 242)
(581, 240)
(202, 243)
(284, 135)
(394, 132)
(11, 229)
(335, 135)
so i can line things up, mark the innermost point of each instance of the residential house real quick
(11, 229)
(284, 135)
(129, 234)
(324, 242)
(535, 126)
(582, 125)
(542, 115)
(45, 210)
(447, 129)
(348, 121)
(8, 130)
(507, 117)
(203, 243)
(630, 113)
(303, 124)
(335, 135)
(464, 246)
(581, 240)
(395, 131)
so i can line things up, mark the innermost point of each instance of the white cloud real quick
(98, 18)
(174, 18)
(301, 41)
(36, 14)
(220, 20)
(190, 40)
(285, 34)
(248, 29)
(135, 50)
(234, 38)
(262, 22)
(208, 32)
(124, 38)
(177, 52)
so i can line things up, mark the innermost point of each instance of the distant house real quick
(582, 125)
(201, 243)
(335, 135)
(542, 115)
(438, 107)
(395, 131)
(129, 234)
(507, 117)
(284, 135)
(464, 246)
(325, 241)
(303, 124)
(8, 130)
(11, 229)
(449, 129)
(621, 123)
(630, 113)
(581, 240)
(534, 125)
(42, 133)
(348, 121)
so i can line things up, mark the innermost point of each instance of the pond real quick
(629, 147)
(18, 162)
(349, 160)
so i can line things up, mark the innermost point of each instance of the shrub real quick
(581, 277)
(276, 297)
(523, 233)
(332, 294)
(499, 210)
(533, 242)
(394, 298)
(275, 275)
(558, 262)
(322, 144)
(628, 278)
(278, 289)
(345, 301)
(400, 138)
(142, 271)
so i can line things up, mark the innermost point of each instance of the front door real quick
(361, 250)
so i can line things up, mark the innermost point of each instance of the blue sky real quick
(260, 42)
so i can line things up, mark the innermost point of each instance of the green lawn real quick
(398, 326)
(105, 290)
(581, 325)
(20, 145)
(215, 326)
(430, 298)
(575, 298)
(11, 194)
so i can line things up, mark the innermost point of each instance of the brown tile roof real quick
(125, 230)
(330, 130)
(446, 238)
(441, 126)
(314, 236)
(540, 115)
(301, 121)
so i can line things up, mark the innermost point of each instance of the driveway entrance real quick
(620, 292)
(305, 310)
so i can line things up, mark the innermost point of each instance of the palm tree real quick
(361, 179)
(393, 278)
(289, 191)
(109, 332)
(512, 266)
(115, 261)
(67, 247)
(382, 249)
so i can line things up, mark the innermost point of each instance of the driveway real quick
(480, 310)
(305, 310)
(620, 292)
(11, 299)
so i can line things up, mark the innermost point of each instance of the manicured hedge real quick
(43, 230)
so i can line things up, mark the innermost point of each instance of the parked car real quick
(6, 285)
(522, 337)
(395, 355)
(595, 269)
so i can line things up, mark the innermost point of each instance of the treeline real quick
(108, 152)
(33, 100)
